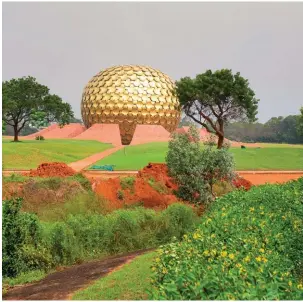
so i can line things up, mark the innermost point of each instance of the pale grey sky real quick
(64, 44)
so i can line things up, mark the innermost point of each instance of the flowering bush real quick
(248, 247)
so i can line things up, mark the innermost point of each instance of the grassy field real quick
(131, 282)
(268, 157)
(30, 153)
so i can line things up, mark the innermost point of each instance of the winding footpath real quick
(61, 285)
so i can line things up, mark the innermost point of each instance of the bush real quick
(30, 244)
(197, 169)
(39, 138)
(127, 183)
(248, 247)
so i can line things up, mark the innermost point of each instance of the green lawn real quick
(268, 157)
(30, 153)
(131, 282)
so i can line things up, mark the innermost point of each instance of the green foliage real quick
(213, 99)
(30, 244)
(127, 183)
(3, 127)
(276, 130)
(39, 138)
(158, 186)
(120, 195)
(248, 247)
(25, 100)
(197, 169)
(18, 231)
(300, 123)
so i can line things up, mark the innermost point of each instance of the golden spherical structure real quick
(129, 95)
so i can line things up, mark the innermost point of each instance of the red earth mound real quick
(52, 170)
(152, 187)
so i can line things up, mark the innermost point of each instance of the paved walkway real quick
(86, 162)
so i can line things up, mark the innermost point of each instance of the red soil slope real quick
(106, 133)
(150, 133)
(141, 191)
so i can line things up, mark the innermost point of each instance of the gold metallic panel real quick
(129, 95)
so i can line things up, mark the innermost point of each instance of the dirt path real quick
(84, 163)
(61, 285)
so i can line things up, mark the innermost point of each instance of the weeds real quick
(158, 186)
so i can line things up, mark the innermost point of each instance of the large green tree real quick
(23, 97)
(213, 99)
(300, 123)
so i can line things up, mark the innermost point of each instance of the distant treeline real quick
(276, 130)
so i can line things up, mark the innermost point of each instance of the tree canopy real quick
(213, 99)
(23, 97)
(275, 130)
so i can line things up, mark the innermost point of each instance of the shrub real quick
(120, 195)
(30, 244)
(39, 138)
(248, 247)
(158, 186)
(197, 169)
(18, 230)
(127, 183)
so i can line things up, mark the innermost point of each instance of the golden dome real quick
(129, 95)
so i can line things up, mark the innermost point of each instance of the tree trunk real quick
(220, 141)
(16, 132)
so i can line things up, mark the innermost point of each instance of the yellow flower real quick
(164, 271)
(300, 286)
(213, 252)
(259, 259)
(264, 259)
(231, 256)
(157, 259)
(247, 259)
(283, 217)
(206, 253)
(153, 268)
(251, 209)
(238, 265)
(196, 236)
(261, 250)
(290, 283)
(224, 254)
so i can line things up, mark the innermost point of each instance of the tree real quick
(300, 123)
(197, 169)
(213, 99)
(23, 97)
(3, 127)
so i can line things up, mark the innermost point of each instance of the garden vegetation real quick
(30, 244)
(249, 246)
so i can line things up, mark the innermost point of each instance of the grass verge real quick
(29, 154)
(268, 157)
(131, 282)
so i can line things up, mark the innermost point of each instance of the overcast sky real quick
(64, 44)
